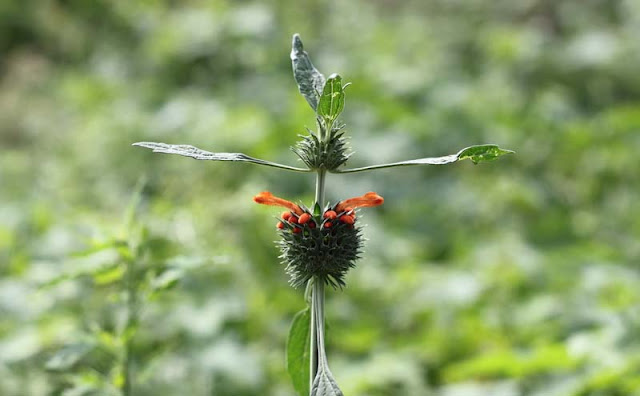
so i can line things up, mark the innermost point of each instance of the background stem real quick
(317, 296)
(127, 385)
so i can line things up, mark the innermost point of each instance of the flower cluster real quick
(324, 244)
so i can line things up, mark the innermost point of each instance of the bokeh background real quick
(516, 277)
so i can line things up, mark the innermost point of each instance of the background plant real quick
(544, 304)
(130, 268)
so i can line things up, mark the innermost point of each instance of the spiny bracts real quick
(317, 153)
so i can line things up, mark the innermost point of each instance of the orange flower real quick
(266, 198)
(367, 200)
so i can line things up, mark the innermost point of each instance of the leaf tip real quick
(296, 44)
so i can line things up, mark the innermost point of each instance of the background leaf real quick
(66, 357)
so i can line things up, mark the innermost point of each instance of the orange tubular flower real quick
(266, 198)
(367, 200)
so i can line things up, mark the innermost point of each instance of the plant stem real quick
(131, 295)
(317, 296)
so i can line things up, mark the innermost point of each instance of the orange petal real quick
(367, 200)
(266, 198)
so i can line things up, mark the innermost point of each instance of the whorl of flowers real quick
(324, 244)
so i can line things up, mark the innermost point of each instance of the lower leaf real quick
(298, 351)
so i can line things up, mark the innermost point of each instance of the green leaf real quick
(331, 101)
(485, 152)
(298, 351)
(310, 81)
(68, 356)
(194, 152)
(167, 279)
(108, 275)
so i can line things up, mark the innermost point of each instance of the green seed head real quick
(323, 247)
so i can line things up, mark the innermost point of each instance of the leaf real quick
(298, 351)
(167, 279)
(324, 384)
(68, 356)
(485, 152)
(310, 81)
(331, 101)
(194, 152)
(108, 275)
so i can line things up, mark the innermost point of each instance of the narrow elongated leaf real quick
(194, 152)
(477, 154)
(332, 100)
(310, 81)
(298, 351)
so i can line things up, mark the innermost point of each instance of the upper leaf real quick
(477, 154)
(194, 152)
(331, 101)
(310, 80)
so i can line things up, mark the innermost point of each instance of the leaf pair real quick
(477, 154)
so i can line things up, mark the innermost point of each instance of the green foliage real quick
(331, 101)
(546, 257)
(486, 152)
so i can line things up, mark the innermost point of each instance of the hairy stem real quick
(317, 296)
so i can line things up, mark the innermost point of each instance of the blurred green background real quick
(516, 277)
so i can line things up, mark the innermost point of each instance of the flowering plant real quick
(319, 244)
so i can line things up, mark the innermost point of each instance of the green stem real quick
(317, 296)
(127, 385)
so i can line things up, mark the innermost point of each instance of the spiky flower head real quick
(329, 154)
(323, 243)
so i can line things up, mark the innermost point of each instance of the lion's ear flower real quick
(326, 244)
